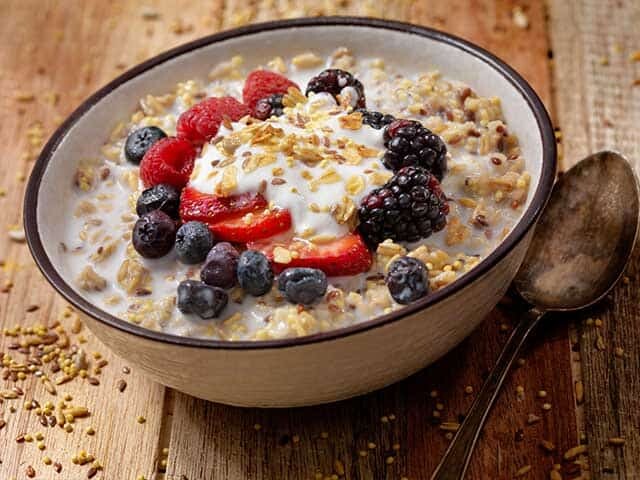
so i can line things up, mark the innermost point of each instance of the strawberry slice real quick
(346, 255)
(259, 225)
(208, 208)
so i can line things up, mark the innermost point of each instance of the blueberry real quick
(407, 280)
(201, 299)
(254, 273)
(193, 242)
(154, 234)
(220, 266)
(302, 285)
(139, 141)
(159, 197)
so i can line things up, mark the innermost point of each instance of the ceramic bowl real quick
(328, 366)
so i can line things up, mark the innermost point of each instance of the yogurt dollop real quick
(315, 157)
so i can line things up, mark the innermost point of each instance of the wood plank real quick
(598, 108)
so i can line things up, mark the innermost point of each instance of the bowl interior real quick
(91, 126)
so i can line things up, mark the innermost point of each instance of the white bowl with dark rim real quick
(328, 366)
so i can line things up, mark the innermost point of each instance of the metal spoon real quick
(579, 250)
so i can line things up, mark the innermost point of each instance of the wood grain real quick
(73, 47)
(598, 108)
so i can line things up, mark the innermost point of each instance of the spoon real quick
(579, 250)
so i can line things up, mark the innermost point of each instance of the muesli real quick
(306, 195)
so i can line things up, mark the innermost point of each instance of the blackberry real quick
(375, 119)
(269, 106)
(407, 280)
(334, 81)
(408, 143)
(410, 206)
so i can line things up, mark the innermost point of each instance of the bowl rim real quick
(526, 222)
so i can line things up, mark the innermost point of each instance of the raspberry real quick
(269, 106)
(410, 206)
(408, 142)
(375, 119)
(201, 122)
(262, 83)
(335, 82)
(168, 161)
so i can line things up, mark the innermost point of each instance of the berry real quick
(169, 161)
(220, 267)
(208, 208)
(410, 206)
(302, 285)
(154, 234)
(269, 106)
(261, 84)
(407, 280)
(334, 81)
(201, 299)
(262, 224)
(347, 255)
(409, 143)
(193, 242)
(254, 273)
(159, 197)
(139, 141)
(201, 122)
(375, 119)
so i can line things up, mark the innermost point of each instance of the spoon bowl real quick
(585, 237)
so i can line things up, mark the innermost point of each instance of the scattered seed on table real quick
(141, 419)
(57, 467)
(522, 471)
(616, 441)
(92, 472)
(574, 452)
(126, 370)
(546, 406)
(547, 446)
(121, 385)
(30, 472)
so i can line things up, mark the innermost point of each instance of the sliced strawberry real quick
(261, 224)
(170, 161)
(201, 122)
(208, 208)
(347, 255)
(262, 83)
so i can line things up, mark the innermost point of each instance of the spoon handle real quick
(456, 459)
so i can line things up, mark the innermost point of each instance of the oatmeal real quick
(291, 200)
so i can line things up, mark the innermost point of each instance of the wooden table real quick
(576, 54)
